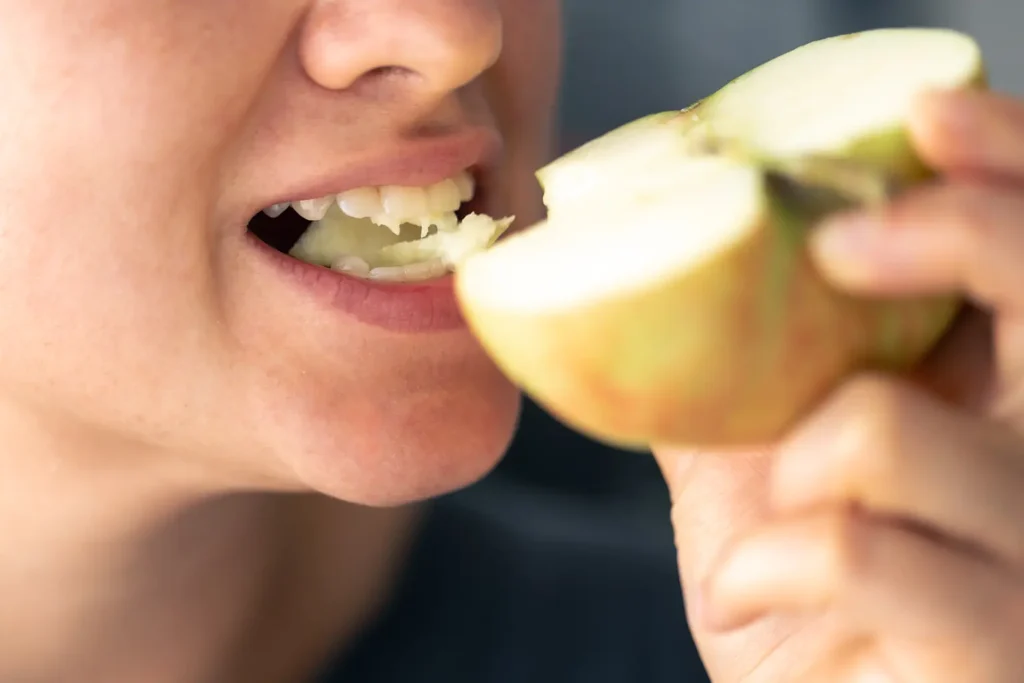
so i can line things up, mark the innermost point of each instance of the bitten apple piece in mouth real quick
(669, 297)
(385, 234)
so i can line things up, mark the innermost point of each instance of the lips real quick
(338, 253)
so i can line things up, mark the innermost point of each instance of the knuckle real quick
(846, 549)
(870, 439)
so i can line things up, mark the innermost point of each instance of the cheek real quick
(100, 331)
(109, 302)
(522, 87)
(523, 91)
(107, 296)
(424, 423)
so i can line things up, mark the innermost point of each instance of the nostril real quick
(383, 77)
(389, 72)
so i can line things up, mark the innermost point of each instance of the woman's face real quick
(139, 315)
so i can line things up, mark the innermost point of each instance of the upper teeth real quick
(392, 205)
(344, 235)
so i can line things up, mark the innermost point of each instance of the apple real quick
(669, 296)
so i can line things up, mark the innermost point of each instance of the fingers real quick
(961, 237)
(885, 580)
(965, 234)
(884, 574)
(715, 497)
(891, 450)
(971, 132)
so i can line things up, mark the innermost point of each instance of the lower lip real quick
(418, 307)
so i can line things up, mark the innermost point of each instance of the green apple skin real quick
(890, 151)
(728, 354)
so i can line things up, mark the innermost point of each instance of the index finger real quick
(970, 132)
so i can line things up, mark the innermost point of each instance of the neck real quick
(126, 574)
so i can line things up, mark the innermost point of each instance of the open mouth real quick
(386, 234)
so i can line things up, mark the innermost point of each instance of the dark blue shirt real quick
(484, 602)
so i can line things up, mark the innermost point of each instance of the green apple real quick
(670, 298)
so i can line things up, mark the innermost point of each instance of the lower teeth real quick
(353, 265)
(426, 270)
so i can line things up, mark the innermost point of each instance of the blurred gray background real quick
(628, 58)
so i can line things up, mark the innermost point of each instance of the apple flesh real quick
(670, 297)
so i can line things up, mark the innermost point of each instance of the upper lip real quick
(415, 162)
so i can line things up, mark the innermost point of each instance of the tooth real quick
(443, 197)
(313, 209)
(467, 186)
(447, 222)
(403, 202)
(425, 270)
(388, 273)
(388, 221)
(275, 210)
(363, 202)
(352, 265)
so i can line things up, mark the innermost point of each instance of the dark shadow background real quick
(625, 59)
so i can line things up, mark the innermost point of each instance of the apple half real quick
(669, 296)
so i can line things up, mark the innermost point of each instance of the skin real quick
(167, 420)
(168, 411)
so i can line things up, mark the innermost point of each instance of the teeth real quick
(353, 265)
(392, 206)
(275, 210)
(404, 202)
(448, 222)
(444, 197)
(364, 202)
(467, 187)
(390, 222)
(358, 247)
(403, 205)
(427, 270)
(313, 209)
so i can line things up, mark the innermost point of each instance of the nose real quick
(441, 44)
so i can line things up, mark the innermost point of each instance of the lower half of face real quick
(418, 423)
(367, 413)
(149, 324)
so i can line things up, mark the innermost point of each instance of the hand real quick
(883, 540)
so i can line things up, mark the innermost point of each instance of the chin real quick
(427, 427)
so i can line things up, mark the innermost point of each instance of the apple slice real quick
(669, 297)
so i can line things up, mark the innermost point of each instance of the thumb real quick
(716, 497)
